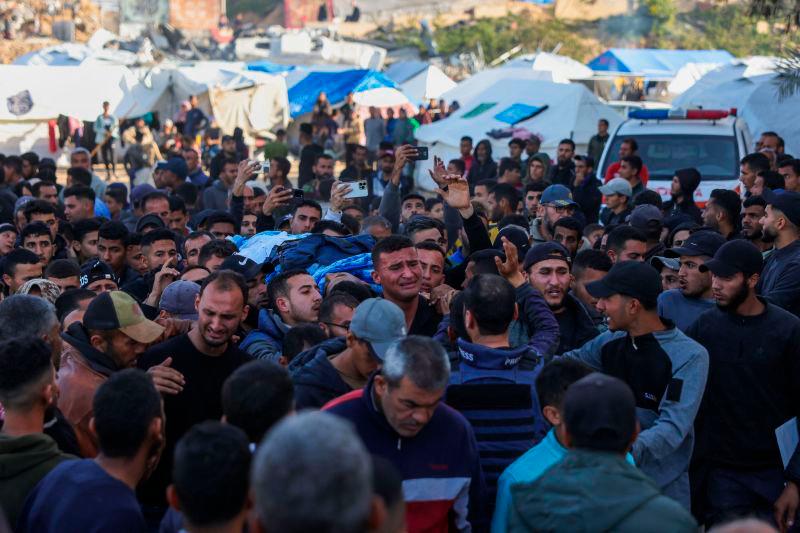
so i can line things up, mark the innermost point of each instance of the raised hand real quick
(277, 197)
(338, 192)
(455, 192)
(509, 268)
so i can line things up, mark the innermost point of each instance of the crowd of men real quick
(532, 348)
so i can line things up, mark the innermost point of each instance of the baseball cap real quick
(178, 299)
(645, 217)
(788, 203)
(600, 412)
(140, 191)
(557, 195)
(241, 264)
(516, 236)
(150, 219)
(177, 165)
(629, 278)
(617, 186)
(380, 323)
(8, 227)
(118, 310)
(543, 252)
(660, 262)
(698, 243)
(734, 257)
(96, 270)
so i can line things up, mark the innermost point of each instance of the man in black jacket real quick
(548, 268)
(754, 368)
(684, 183)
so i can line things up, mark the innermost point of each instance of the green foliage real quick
(499, 35)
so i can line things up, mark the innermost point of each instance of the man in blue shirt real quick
(684, 305)
(98, 494)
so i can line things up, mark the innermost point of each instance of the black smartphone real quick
(422, 153)
(297, 193)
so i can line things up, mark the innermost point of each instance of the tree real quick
(787, 12)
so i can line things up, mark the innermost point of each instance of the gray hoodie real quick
(667, 372)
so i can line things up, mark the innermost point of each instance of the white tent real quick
(563, 68)
(757, 102)
(565, 111)
(420, 81)
(468, 89)
(34, 95)
(736, 70)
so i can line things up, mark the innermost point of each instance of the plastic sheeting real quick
(336, 85)
(563, 68)
(572, 112)
(757, 102)
(654, 62)
(427, 84)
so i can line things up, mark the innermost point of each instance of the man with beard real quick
(684, 183)
(190, 369)
(556, 203)
(227, 153)
(114, 333)
(780, 281)
(684, 305)
(753, 210)
(665, 369)
(752, 389)
(563, 172)
(548, 269)
(722, 212)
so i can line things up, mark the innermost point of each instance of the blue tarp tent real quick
(336, 85)
(653, 62)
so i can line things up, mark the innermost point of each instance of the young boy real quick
(551, 386)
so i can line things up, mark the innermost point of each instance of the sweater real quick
(683, 311)
(24, 461)
(752, 386)
(780, 278)
(667, 372)
(442, 481)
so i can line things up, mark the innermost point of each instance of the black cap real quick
(6, 226)
(150, 219)
(788, 203)
(241, 264)
(516, 236)
(699, 243)
(543, 252)
(600, 413)
(96, 270)
(734, 257)
(629, 278)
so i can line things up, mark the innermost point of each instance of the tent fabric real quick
(77, 91)
(738, 69)
(402, 71)
(572, 112)
(336, 85)
(466, 91)
(262, 65)
(654, 62)
(757, 102)
(429, 84)
(563, 68)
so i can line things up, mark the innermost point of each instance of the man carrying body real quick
(114, 333)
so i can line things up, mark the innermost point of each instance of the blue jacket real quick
(667, 372)
(318, 382)
(499, 399)
(442, 480)
(266, 342)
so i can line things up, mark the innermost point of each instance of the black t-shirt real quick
(426, 320)
(200, 399)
